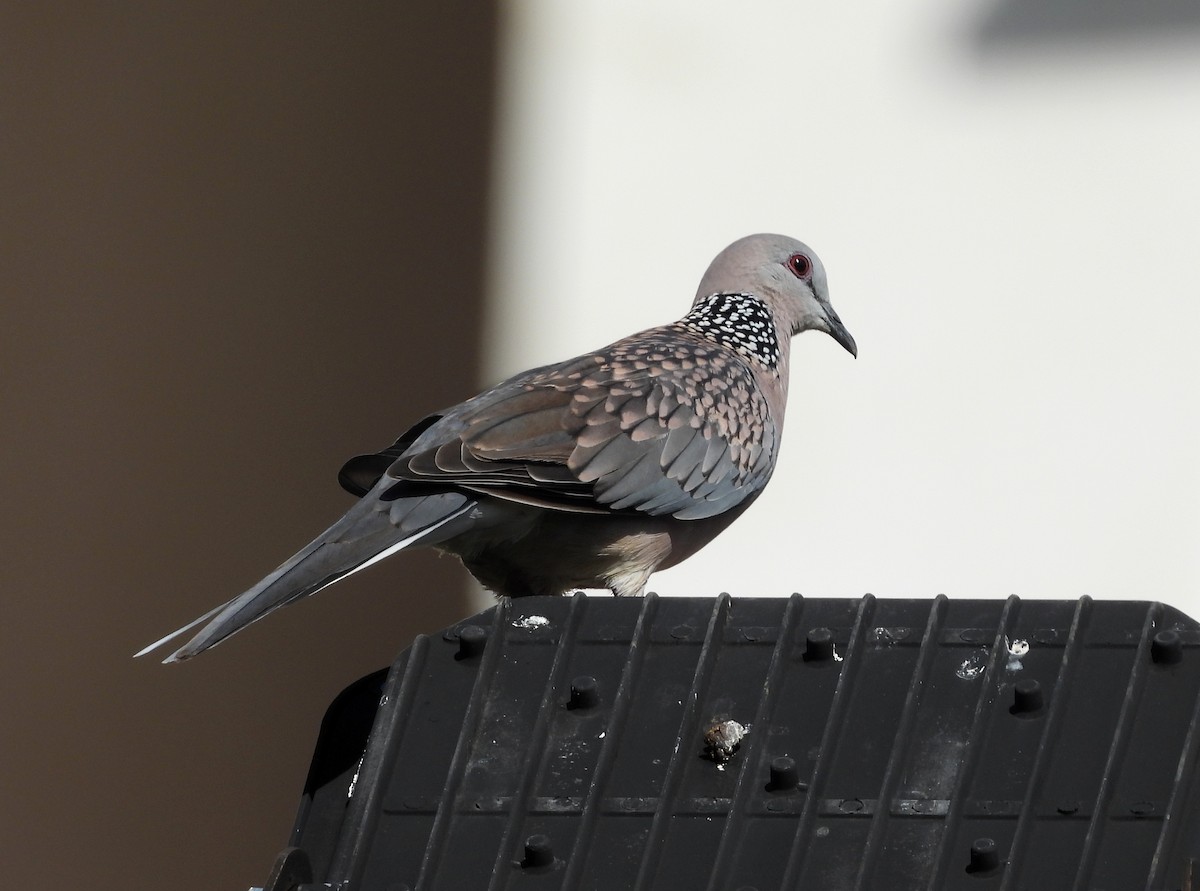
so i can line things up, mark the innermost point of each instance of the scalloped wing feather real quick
(661, 423)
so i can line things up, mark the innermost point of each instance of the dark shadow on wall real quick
(1039, 22)
(239, 243)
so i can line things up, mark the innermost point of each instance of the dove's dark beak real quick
(839, 333)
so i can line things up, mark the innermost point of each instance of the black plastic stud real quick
(1028, 699)
(585, 692)
(784, 776)
(818, 645)
(985, 859)
(471, 641)
(1166, 648)
(538, 852)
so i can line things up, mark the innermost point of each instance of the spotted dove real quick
(591, 473)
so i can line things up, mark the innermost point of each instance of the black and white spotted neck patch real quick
(738, 321)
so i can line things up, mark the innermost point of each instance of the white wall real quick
(1012, 233)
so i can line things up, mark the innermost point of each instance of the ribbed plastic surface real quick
(891, 744)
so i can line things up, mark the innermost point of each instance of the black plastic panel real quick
(891, 744)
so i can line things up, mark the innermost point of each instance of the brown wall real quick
(238, 244)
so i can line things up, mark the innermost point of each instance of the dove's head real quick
(784, 274)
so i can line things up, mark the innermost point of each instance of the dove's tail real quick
(370, 531)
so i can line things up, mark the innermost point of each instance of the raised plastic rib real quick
(984, 708)
(903, 739)
(620, 709)
(537, 742)
(829, 739)
(748, 777)
(362, 810)
(462, 750)
(688, 731)
(1116, 751)
(1175, 818)
(1041, 762)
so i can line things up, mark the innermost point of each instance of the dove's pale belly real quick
(520, 550)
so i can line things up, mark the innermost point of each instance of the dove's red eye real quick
(800, 265)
